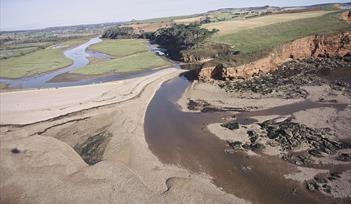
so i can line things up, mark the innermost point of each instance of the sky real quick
(34, 14)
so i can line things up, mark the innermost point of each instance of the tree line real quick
(175, 39)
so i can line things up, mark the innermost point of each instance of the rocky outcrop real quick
(289, 78)
(346, 16)
(191, 58)
(211, 71)
(338, 45)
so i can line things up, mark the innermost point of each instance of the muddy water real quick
(181, 138)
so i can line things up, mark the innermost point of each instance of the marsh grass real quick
(120, 48)
(131, 63)
(36, 62)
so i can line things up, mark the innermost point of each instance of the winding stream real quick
(181, 138)
(80, 57)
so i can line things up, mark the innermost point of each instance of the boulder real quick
(209, 72)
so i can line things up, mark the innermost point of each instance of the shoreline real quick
(128, 165)
(327, 116)
(10, 100)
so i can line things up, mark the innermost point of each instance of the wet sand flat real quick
(30, 106)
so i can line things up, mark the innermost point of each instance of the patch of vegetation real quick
(231, 125)
(120, 33)
(36, 62)
(264, 39)
(5, 54)
(180, 37)
(74, 42)
(120, 48)
(92, 150)
(25, 59)
(3, 86)
(206, 51)
(131, 63)
(15, 50)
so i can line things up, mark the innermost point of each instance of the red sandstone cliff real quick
(337, 45)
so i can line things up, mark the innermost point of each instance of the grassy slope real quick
(270, 36)
(229, 27)
(135, 62)
(36, 62)
(120, 48)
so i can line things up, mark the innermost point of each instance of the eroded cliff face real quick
(338, 45)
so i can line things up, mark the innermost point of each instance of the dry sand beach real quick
(39, 164)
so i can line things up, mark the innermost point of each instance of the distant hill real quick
(260, 9)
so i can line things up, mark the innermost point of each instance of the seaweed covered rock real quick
(291, 135)
(231, 125)
(287, 80)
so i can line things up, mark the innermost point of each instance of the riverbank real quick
(128, 55)
(39, 61)
(110, 121)
(76, 55)
(302, 121)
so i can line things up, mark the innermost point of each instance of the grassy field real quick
(270, 36)
(149, 27)
(16, 50)
(189, 20)
(129, 55)
(37, 61)
(75, 42)
(229, 27)
(134, 62)
(120, 48)
(8, 53)
(2, 85)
